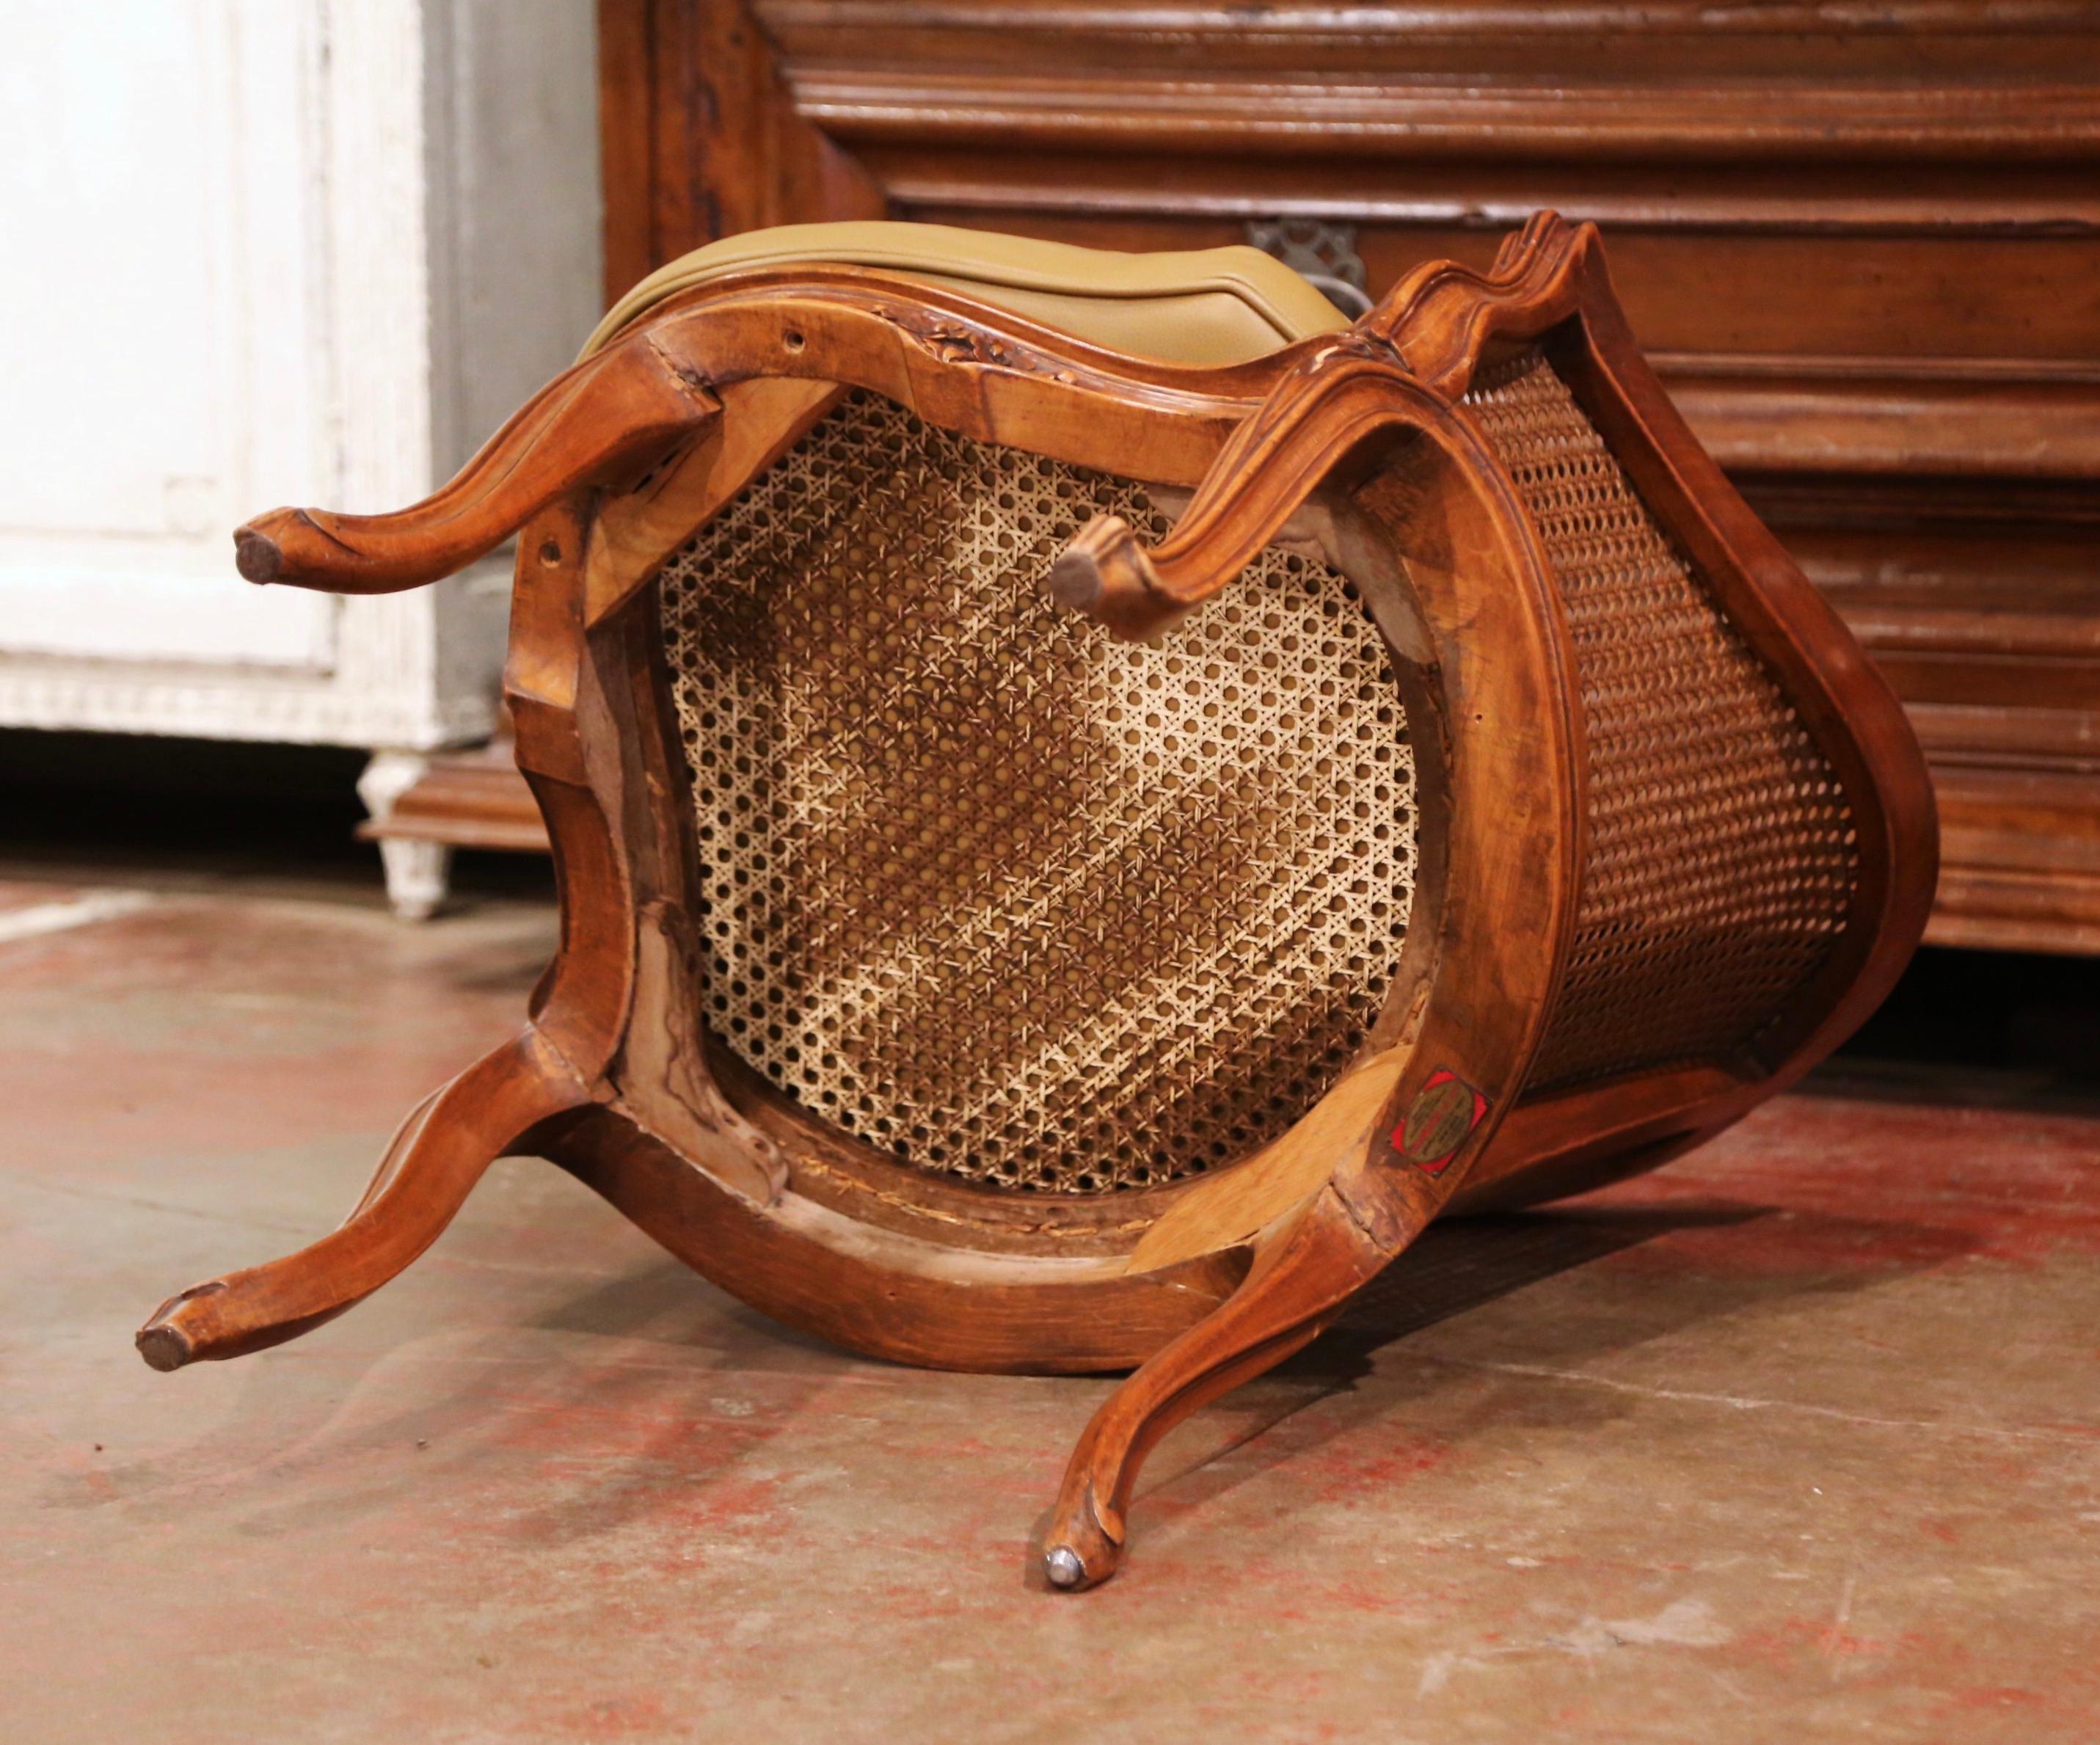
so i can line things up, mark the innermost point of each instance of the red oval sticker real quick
(1444, 1112)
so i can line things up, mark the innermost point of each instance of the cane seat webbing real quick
(1721, 857)
(1008, 898)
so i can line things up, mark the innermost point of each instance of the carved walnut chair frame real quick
(1358, 440)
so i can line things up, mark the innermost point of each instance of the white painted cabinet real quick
(263, 252)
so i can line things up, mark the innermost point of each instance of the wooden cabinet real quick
(1863, 247)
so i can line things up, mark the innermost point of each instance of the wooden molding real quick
(1404, 116)
(1533, 81)
(2024, 860)
(1957, 418)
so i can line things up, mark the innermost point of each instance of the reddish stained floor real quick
(1799, 1439)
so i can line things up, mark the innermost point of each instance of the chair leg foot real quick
(434, 1161)
(1301, 1280)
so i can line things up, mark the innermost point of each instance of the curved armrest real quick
(630, 400)
(1416, 351)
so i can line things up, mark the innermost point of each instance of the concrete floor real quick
(1798, 1440)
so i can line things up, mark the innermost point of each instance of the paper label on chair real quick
(1444, 1112)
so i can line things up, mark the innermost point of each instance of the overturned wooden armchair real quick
(1093, 798)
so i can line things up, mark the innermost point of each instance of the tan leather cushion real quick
(1205, 306)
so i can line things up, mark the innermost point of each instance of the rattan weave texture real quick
(1721, 861)
(1007, 898)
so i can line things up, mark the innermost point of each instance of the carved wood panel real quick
(1866, 261)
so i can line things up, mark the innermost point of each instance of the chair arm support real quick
(624, 405)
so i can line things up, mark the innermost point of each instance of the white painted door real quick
(161, 372)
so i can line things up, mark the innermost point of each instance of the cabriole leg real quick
(436, 1157)
(1300, 1281)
